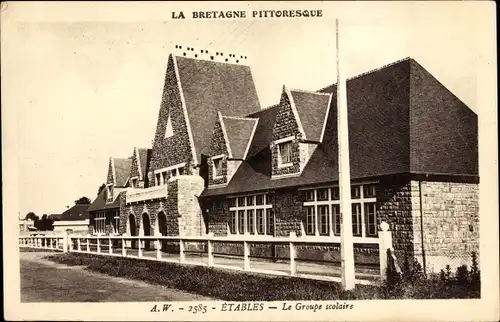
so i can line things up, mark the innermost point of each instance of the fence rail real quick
(136, 246)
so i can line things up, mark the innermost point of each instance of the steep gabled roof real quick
(100, 202)
(239, 133)
(143, 161)
(77, 212)
(401, 120)
(209, 86)
(122, 171)
(264, 132)
(312, 110)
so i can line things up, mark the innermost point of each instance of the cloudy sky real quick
(86, 85)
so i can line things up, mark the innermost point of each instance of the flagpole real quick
(346, 241)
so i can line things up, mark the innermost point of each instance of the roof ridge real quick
(307, 91)
(240, 118)
(239, 63)
(370, 71)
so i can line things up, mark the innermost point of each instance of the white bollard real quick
(124, 250)
(293, 254)
(158, 249)
(210, 249)
(385, 243)
(246, 256)
(65, 241)
(139, 253)
(182, 256)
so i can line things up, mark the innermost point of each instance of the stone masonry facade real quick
(163, 147)
(218, 147)
(285, 126)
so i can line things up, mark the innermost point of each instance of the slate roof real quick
(401, 120)
(239, 132)
(311, 108)
(122, 171)
(143, 159)
(77, 212)
(100, 202)
(264, 131)
(209, 87)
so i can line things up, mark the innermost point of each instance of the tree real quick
(83, 201)
(31, 216)
(101, 188)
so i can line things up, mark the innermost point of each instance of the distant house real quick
(74, 219)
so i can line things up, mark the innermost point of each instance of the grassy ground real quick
(241, 286)
(46, 281)
(37, 250)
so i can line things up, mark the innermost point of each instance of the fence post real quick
(110, 247)
(293, 265)
(98, 245)
(246, 254)
(79, 244)
(65, 241)
(182, 256)
(70, 243)
(139, 252)
(158, 247)
(210, 249)
(88, 245)
(384, 243)
(124, 250)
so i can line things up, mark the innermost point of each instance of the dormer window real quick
(133, 182)
(109, 193)
(284, 152)
(217, 166)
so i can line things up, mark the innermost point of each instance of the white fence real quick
(120, 246)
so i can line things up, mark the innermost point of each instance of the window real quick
(369, 191)
(133, 183)
(232, 222)
(241, 221)
(310, 221)
(261, 229)
(355, 192)
(109, 193)
(254, 215)
(100, 223)
(285, 154)
(323, 194)
(250, 221)
(269, 222)
(323, 217)
(335, 193)
(163, 175)
(323, 214)
(337, 219)
(116, 222)
(371, 219)
(356, 219)
(217, 167)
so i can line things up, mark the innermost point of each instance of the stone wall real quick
(450, 223)
(288, 212)
(285, 126)
(177, 148)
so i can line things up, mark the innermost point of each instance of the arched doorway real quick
(132, 229)
(162, 229)
(146, 229)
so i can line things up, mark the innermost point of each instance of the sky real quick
(84, 88)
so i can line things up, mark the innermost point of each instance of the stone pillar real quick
(190, 214)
